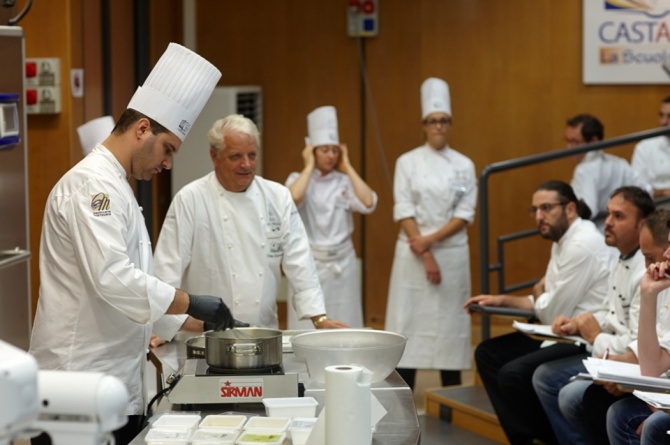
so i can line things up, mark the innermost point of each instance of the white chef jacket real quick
(651, 159)
(577, 274)
(326, 212)
(620, 316)
(232, 245)
(98, 299)
(432, 187)
(599, 174)
(327, 208)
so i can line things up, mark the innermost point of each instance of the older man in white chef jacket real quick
(98, 297)
(229, 232)
(435, 194)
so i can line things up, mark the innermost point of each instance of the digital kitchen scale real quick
(200, 384)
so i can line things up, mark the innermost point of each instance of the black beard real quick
(557, 231)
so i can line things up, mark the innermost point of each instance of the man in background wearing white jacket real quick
(597, 174)
(651, 157)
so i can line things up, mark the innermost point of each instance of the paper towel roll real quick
(348, 405)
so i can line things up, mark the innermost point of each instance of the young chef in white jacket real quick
(327, 191)
(229, 232)
(98, 297)
(435, 194)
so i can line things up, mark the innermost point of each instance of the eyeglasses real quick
(435, 122)
(544, 208)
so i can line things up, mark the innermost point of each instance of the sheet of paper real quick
(544, 330)
(659, 400)
(627, 375)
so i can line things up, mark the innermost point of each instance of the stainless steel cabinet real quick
(15, 312)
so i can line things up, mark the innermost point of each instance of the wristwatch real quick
(320, 320)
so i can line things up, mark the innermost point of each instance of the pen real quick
(607, 352)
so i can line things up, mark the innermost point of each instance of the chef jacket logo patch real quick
(100, 204)
(276, 249)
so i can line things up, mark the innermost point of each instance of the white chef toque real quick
(322, 126)
(93, 132)
(176, 90)
(435, 97)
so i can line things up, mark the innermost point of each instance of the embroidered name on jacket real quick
(100, 204)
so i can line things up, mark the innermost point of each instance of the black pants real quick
(122, 436)
(596, 402)
(506, 365)
(448, 378)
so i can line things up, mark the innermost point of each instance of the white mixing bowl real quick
(378, 351)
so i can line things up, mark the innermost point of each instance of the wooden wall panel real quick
(92, 59)
(122, 37)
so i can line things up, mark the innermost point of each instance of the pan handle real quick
(245, 348)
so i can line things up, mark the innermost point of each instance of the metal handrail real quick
(11, 257)
(500, 266)
(497, 167)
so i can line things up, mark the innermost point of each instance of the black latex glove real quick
(236, 324)
(211, 310)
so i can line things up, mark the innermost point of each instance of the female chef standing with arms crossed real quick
(326, 191)
(435, 194)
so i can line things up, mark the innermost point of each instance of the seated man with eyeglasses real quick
(575, 282)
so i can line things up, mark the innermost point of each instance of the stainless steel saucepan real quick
(243, 348)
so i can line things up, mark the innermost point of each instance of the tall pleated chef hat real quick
(94, 131)
(176, 90)
(322, 126)
(435, 97)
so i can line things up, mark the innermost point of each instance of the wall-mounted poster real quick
(626, 41)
